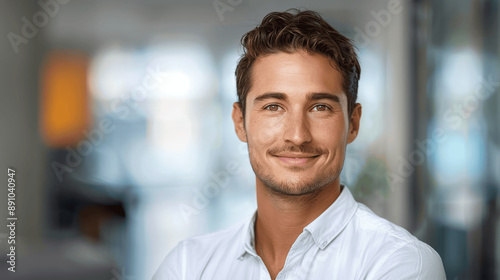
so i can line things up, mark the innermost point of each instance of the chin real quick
(294, 187)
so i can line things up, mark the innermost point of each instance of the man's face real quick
(296, 124)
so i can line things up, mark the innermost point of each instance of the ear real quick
(239, 124)
(354, 123)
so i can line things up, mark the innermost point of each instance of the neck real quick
(281, 219)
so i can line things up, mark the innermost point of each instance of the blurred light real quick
(459, 73)
(175, 84)
(114, 72)
(460, 158)
(172, 126)
(353, 164)
(476, 154)
(153, 166)
(105, 168)
(451, 157)
(229, 63)
(165, 81)
(462, 208)
(148, 166)
(64, 103)
(184, 67)
(372, 94)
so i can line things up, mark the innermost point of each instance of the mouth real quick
(296, 159)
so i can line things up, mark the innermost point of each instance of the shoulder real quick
(370, 223)
(399, 254)
(414, 260)
(197, 251)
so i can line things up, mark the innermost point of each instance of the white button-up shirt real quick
(347, 241)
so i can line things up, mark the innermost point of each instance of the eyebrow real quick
(323, 95)
(309, 96)
(271, 95)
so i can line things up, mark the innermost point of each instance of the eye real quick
(320, 107)
(272, 107)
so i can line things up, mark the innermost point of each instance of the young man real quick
(297, 86)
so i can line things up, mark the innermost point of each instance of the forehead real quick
(295, 74)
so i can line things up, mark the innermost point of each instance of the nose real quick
(297, 128)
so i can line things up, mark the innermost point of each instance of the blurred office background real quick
(116, 117)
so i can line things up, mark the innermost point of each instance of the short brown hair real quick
(295, 30)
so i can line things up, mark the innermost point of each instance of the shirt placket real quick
(294, 259)
(264, 274)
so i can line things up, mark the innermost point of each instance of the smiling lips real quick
(296, 159)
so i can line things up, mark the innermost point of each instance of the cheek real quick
(333, 137)
(263, 133)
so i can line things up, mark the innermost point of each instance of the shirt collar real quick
(247, 238)
(323, 229)
(334, 219)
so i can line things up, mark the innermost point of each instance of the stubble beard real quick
(293, 187)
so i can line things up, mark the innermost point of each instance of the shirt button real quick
(323, 244)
